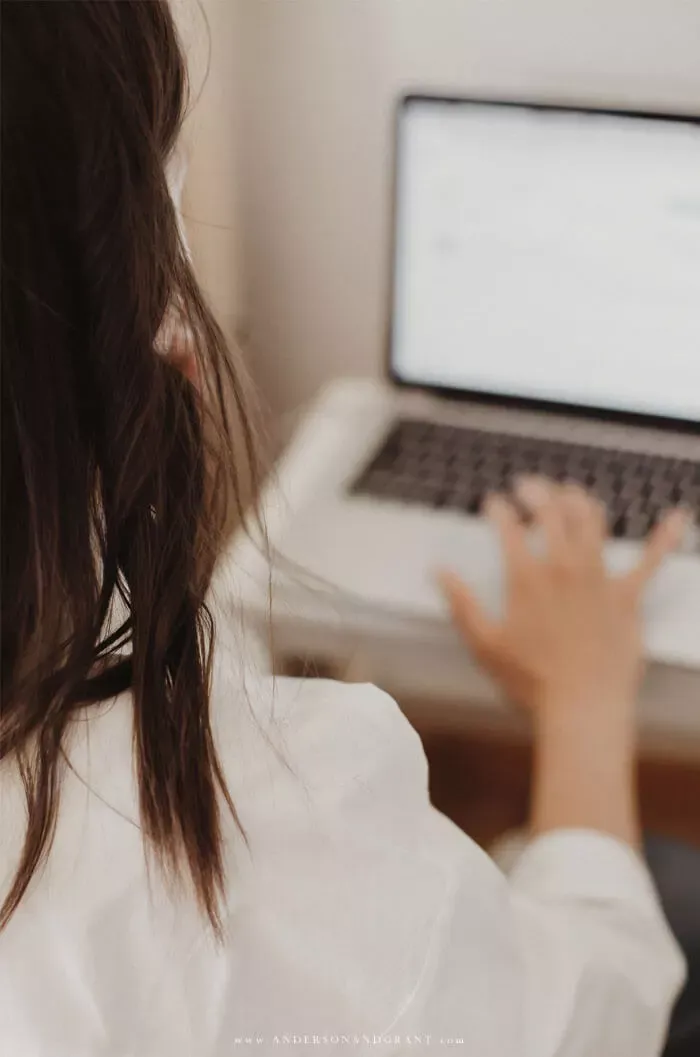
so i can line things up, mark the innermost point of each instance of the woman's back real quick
(355, 915)
(316, 910)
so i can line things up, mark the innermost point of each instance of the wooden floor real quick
(482, 783)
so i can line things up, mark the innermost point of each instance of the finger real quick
(586, 520)
(505, 519)
(665, 538)
(478, 629)
(542, 500)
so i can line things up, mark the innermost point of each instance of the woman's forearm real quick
(585, 772)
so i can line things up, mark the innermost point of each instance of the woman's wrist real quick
(586, 711)
(585, 763)
(582, 731)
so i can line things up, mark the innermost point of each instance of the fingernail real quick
(677, 522)
(532, 490)
(446, 580)
(494, 504)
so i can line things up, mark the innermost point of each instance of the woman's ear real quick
(174, 343)
(188, 365)
(182, 356)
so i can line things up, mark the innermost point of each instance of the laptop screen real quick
(549, 254)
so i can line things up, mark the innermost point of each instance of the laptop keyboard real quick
(442, 466)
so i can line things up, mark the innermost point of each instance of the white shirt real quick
(359, 920)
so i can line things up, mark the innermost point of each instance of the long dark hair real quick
(119, 475)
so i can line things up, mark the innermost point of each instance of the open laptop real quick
(545, 318)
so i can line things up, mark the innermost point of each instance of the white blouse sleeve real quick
(569, 956)
(598, 952)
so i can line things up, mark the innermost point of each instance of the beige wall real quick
(315, 80)
(211, 206)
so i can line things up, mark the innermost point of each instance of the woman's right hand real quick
(571, 635)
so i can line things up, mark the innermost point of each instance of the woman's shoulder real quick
(327, 738)
(327, 727)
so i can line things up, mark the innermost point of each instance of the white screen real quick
(549, 254)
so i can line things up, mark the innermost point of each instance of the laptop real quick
(544, 318)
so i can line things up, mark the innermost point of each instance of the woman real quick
(192, 859)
